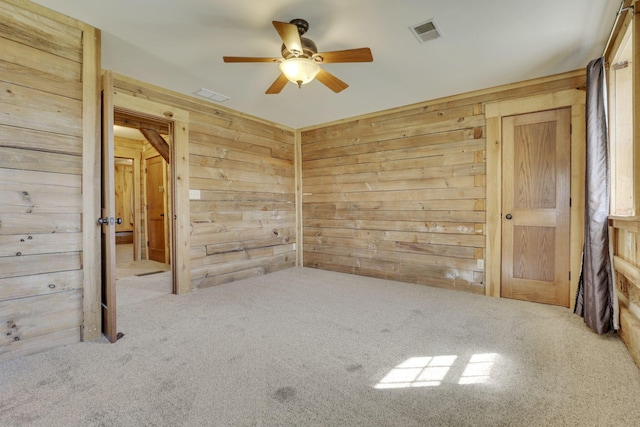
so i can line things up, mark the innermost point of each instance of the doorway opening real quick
(142, 178)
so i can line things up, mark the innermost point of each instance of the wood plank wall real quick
(41, 148)
(243, 223)
(401, 194)
(626, 250)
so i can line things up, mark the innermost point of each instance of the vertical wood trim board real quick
(298, 201)
(635, 84)
(91, 326)
(493, 264)
(578, 168)
(180, 168)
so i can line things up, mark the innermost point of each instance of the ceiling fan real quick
(300, 62)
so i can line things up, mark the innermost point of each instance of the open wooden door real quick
(536, 206)
(156, 212)
(107, 219)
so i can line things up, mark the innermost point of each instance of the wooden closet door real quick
(156, 209)
(536, 206)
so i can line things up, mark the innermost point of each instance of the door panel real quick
(124, 193)
(532, 257)
(536, 206)
(109, 327)
(156, 209)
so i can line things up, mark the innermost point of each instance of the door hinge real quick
(569, 201)
(570, 129)
(569, 275)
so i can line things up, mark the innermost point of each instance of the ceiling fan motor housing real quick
(309, 49)
(303, 26)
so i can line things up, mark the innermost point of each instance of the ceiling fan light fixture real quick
(300, 62)
(299, 70)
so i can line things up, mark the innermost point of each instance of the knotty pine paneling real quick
(41, 163)
(383, 192)
(35, 322)
(401, 194)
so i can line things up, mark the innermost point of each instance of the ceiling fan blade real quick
(331, 81)
(277, 86)
(362, 54)
(248, 59)
(289, 35)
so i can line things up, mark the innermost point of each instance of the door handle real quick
(509, 216)
(106, 221)
(162, 215)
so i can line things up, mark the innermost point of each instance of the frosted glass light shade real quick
(299, 70)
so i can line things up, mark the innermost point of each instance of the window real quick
(621, 149)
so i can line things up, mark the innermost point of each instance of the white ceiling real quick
(179, 44)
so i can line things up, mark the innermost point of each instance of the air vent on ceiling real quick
(426, 31)
(209, 94)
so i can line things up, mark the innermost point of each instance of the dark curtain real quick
(594, 300)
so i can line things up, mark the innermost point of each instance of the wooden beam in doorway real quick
(157, 141)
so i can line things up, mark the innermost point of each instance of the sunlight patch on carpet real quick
(478, 370)
(430, 371)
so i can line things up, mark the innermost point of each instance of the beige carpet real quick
(141, 280)
(305, 347)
